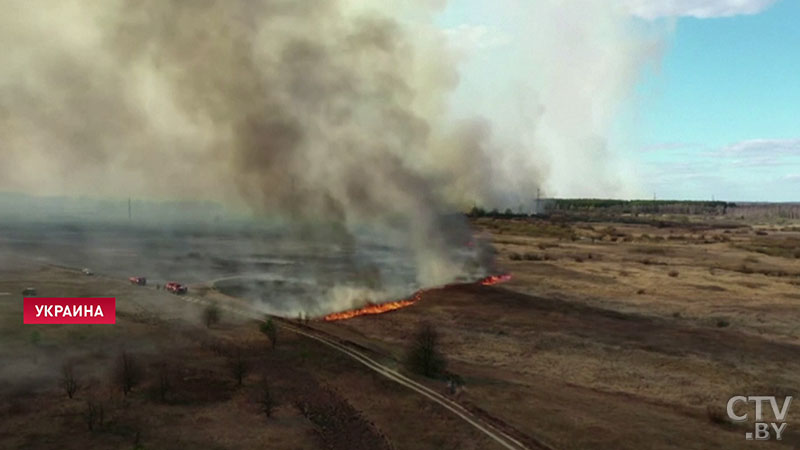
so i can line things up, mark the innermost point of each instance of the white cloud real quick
(760, 153)
(764, 147)
(468, 38)
(653, 9)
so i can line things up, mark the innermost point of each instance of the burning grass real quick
(372, 308)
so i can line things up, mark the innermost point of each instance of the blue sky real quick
(721, 116)
(717, 113)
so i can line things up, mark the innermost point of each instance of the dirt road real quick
(502, 439)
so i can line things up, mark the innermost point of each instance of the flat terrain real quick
(609, 335)
(322, 399)
(618, 335)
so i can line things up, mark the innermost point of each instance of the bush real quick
(127, 373)
(423, 355)
(266, 400)
(211, 315)
(722, 323)
(270, 330)
(673, 273)
(93, 414)
(164, 381)
(239, 366)
(68, 380)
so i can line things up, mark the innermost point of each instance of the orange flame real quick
(372, 308)
(495, 279)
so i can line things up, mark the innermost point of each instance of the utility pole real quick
(538, 199)
(129, 209)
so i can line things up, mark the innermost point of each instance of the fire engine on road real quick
(176, 288)
(139, 281)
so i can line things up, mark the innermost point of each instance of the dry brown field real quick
(608, 336)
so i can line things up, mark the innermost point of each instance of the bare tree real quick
(211, 315)
(239, 366)
(423, 355)
(266, 399)
(127, 373)
(270, 330)
(68, 380)
(93, 414)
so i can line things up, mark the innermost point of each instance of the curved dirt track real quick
(502, 439)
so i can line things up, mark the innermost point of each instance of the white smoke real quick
(315, 109)
(562, 73)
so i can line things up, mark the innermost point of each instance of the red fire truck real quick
(139, 281)
(176, 288)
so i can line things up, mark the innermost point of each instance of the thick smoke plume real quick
(321, 111)
(312, 109)
(556, 79)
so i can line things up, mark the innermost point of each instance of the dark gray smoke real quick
(317, 110)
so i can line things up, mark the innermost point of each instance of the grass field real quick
(610, 335)
(616, 335)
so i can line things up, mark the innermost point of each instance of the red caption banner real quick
(69, 310)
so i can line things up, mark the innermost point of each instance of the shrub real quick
(270, 330)
(93, 414)
(533, 257)
(266, 400)
(164, 381)
(722, 323)
(68, 380)
(239, 366)
(211, 315)
(673, 273)
(127, 373)
(423, 355)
